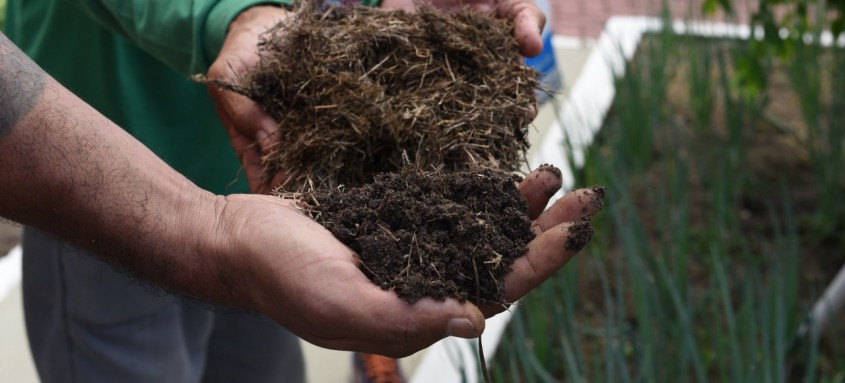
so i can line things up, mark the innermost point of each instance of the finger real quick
(448, 5)
(384, 324)
(539, 186)
(528, 22)
(248, 154)
(251, 163)
(405, 5)
(246, 117)
(267, 135)
(546, 254)
(574, 206)
(254, 171)
(238, 54)
(483, 6)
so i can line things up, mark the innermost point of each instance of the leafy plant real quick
(708, 255)
(779, 28)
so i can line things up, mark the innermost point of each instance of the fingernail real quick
(484, 8)
(462, 328)
(261, 135)
(597, 198)
(553, 187)
(580, 234)
(468, 327)
(551, 169)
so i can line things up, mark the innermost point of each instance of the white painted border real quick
(579, 119)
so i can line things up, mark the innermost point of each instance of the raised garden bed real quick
(726, 224)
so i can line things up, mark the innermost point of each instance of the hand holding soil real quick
(318, 292)
(338, 307)
(250, 128)
(356, 93)
(457, 235)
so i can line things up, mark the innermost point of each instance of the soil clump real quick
(432, 234)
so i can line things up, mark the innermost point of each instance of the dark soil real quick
(354, 88)
(580, 233)
(438, 235)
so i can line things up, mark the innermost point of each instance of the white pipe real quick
(826, 307)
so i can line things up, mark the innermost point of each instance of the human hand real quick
(292, 269)
(251, 130)
(560, 232)
(527, 18)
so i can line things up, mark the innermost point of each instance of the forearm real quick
(68, 170)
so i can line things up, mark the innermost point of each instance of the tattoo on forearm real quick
(21, 85)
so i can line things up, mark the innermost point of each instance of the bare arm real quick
(66, 169)
(70, 171)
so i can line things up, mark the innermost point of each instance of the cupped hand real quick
(293, 270)
(526, 16)
(251, 130)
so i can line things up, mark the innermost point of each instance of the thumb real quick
(528, 22)
(470, 325)
(387, 325)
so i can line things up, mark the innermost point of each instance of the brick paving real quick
(586, 18)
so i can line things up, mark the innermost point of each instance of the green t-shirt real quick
(130, 59)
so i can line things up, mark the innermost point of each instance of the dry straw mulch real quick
(353, 88)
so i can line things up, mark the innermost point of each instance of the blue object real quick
(545, 62)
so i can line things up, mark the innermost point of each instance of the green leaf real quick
(709, 7)
(838, 25)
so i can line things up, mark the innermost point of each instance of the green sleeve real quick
(185, 35)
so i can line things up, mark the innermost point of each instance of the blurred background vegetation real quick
(2, 13)
(725, 172)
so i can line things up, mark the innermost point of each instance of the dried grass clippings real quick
(354, 87)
